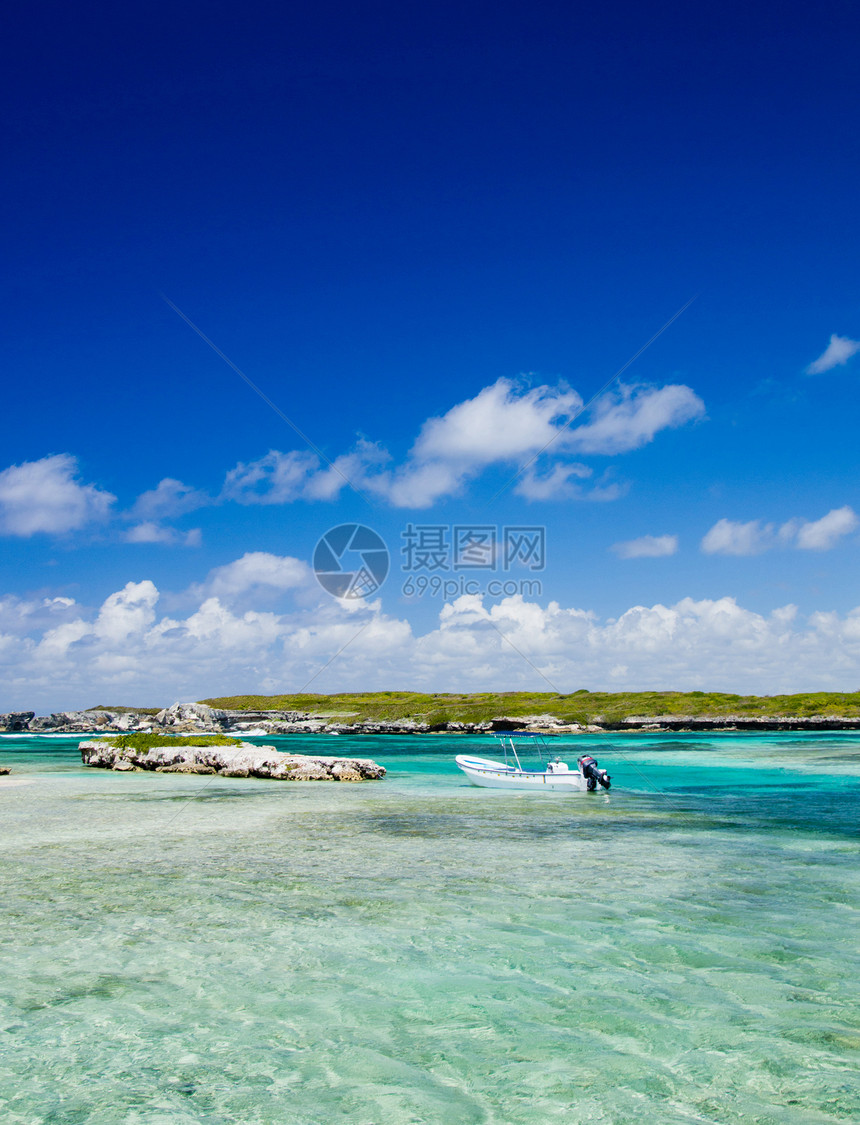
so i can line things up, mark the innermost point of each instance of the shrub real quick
(142, 741)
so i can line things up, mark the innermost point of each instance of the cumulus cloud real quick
(171, 498)
(277, 478)
(836, 354)
(254, 569)
(504, 424)
(125, 647)
(633, 417)
(359, 469)
(48, 496)
(821, 535)
(730, 537)
(282, 478)
(556, 484)
(128, 612)
(21, 615)
(151, 532)
(647, 547)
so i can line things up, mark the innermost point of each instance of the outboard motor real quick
(592, 774)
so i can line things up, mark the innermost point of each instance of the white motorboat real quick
(511, 774)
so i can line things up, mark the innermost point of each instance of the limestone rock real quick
(16, 720)
(185, 767)
(310, 772)
(344, 772)
(193, 717)
(245, 760)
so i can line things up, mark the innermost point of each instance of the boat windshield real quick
(524, 743)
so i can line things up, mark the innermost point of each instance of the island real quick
(227, 757)
(404, 712)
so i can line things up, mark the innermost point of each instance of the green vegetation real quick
(145, 741)
(579, 707)
(126, 710)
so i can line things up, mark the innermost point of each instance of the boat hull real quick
(496, 775)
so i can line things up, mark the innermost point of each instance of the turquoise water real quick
(682, 949)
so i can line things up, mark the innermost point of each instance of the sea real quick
(189, 949)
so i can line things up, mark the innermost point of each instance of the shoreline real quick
(199, 718)
(415, 712)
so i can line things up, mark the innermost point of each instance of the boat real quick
(511, 774)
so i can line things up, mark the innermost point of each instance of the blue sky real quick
(429, 238)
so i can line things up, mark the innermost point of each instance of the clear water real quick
(184, 949)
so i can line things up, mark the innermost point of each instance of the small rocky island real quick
(239, 760)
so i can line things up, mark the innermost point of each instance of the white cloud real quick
(170, 499)
(821, 535)
(556, 484)
(358, 469)
(420, 485)
(19, 616)
(836, 354)
(128, 612)
(633, 417)
(151, 532)
(56, 642)
(277, 478)
(215, 649)
(501, 423)
(282, 478)
(47, 496)
(730, 537)
(504, 424)
(647, 547)
(254, 569)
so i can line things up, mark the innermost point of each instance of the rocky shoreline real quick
(244, 760)
(198, 718)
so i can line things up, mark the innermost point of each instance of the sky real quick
(560, 304)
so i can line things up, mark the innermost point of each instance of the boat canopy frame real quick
(506, 740)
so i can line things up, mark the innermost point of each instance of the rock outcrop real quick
(228, 761)
(198, 718)
(192, 717)
(16, 720)
(734, 722)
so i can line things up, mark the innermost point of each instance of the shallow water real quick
(682, 949)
